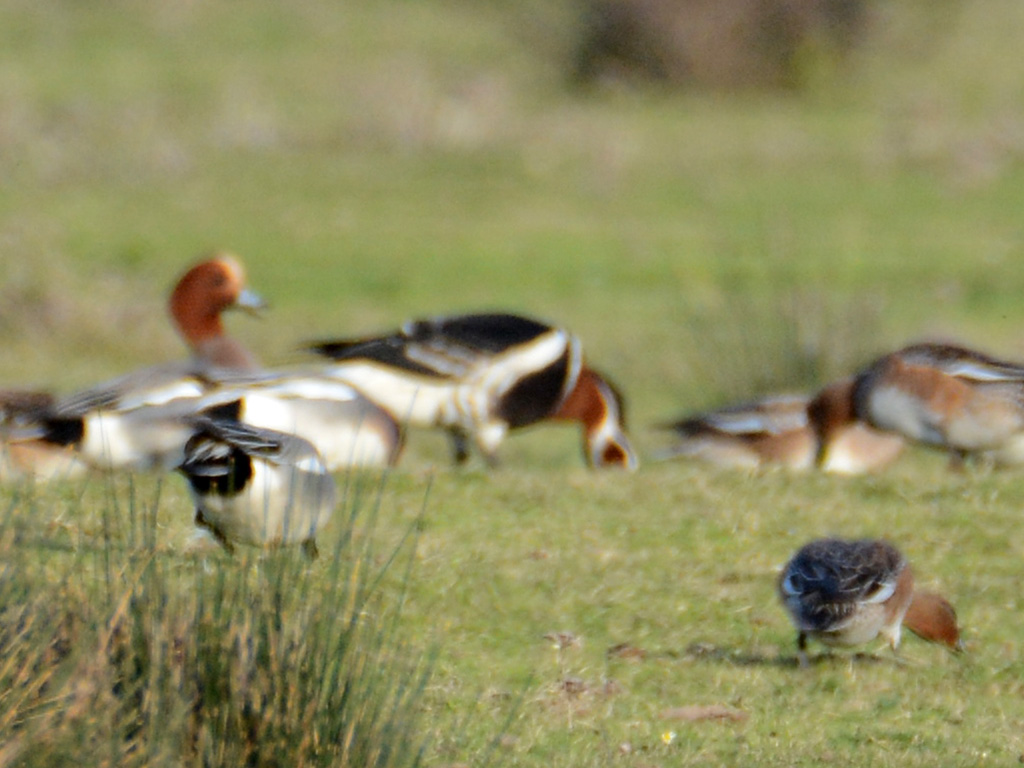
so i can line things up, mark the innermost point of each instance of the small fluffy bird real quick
(257, 486)
(847, 593)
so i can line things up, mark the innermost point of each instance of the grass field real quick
(375, 161)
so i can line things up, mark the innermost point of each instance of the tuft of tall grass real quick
(746, 344)
(129, 654)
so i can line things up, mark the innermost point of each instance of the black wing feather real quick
(478, 334)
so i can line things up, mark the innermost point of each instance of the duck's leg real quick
(460, 445)
(894, 644)
(801, 650)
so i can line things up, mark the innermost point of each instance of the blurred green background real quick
(378, 160)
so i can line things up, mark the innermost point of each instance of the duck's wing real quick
(443, 347)
(150, 386)
(257, 486)
(769, 416)
(963, 363)
(221, 436)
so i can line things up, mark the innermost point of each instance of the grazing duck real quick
(257, 486)
(89, 423)
(777, 431)
(479, 376)
(846, 593)
(771, 431)
(940, 395)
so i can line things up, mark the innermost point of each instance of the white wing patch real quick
(884, 592)
(448, 360)
(313, 389)
(159, 395)
(977, 371)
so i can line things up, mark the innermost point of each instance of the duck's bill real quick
(251, 302)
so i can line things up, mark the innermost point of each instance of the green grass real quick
(375, 161)
(121, 650)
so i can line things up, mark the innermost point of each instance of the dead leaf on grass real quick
(626, 651)
(563, 640)
(574, 686)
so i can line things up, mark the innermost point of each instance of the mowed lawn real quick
(377, 161)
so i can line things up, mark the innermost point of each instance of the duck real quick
(770, 431)
(849, 592)
(84, 429)
(480, 376)
(256, 487)
(348, 430)
(777, 430)
(941, 395)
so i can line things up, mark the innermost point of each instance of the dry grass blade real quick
(695, 713)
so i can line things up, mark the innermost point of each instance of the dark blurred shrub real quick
(715, 43)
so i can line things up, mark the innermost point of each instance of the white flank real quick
(280, 505)
(407, 397)
(341, 430)
(504, 370)
(133, 440)
(893, 409)
(427, 402)
(858, 448)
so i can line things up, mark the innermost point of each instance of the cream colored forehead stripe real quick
(232, 266)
